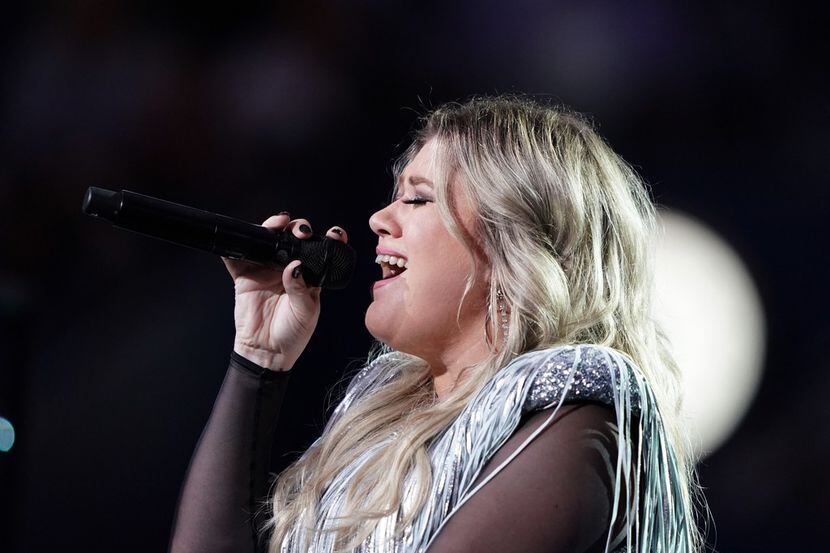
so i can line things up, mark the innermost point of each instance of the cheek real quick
(420, 306)
(441, 280)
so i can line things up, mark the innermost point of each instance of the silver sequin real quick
(533, 381)
(594, 379)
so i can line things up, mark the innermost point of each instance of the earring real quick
(502, 308)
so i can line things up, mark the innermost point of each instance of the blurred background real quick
(113, 346)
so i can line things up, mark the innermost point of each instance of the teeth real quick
(392, 260)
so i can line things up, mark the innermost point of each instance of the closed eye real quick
(416, 200)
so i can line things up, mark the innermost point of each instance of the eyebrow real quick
(415, 179)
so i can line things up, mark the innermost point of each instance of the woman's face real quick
(415, 312)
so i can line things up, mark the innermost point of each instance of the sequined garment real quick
(533, 381)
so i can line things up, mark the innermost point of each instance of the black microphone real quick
(325, 262)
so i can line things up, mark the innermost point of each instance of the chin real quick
(375, 324)
(382, 328)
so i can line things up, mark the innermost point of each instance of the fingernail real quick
(305, 228)
(337, 231)
(296, 272)
(283, 213)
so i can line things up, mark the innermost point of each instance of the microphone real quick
(326, 262)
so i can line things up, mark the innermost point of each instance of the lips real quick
(392, 264)
(385, 281)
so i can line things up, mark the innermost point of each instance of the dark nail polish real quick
(305, 228)
(337, 231)
(283, 213)
(296, 272)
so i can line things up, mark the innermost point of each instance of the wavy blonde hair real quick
(567, 228)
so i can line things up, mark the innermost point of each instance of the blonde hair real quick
(553, 200)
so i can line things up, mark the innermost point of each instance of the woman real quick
(522, 397)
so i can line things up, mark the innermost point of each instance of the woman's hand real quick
(275, 312)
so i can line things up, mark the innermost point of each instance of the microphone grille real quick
(326, 262)
(341, 262)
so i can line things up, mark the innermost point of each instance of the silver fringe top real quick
(654, 519)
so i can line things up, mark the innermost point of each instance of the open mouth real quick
(392, 266)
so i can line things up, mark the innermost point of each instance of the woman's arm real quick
(275, 314)
(554, 497)
(227, 478)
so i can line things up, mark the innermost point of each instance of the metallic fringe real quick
(656, 516)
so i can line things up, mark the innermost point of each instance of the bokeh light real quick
(711, 311)
(6, 435)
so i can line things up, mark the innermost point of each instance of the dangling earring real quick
(502, 308)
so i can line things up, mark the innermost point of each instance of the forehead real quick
(423, 165)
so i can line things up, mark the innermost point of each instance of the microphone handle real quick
(221, 235)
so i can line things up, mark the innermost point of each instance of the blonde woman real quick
(521, 397)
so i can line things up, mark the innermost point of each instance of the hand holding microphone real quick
(276, 311)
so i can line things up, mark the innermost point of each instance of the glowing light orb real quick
(6, 435)
(710, 309)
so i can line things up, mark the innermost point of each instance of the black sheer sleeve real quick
(554, 497)
(227, 477)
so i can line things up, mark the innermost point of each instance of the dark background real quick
(112, 346)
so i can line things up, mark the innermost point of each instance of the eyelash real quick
(418, 200)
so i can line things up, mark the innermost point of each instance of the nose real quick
(383, 222)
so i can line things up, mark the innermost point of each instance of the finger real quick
(278, 221)
(235, 268)
(303, 297)
(338, 233)
(300, 227)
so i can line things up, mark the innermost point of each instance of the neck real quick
(447, 365)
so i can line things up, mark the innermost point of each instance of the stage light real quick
(710, 309)
(6, 435)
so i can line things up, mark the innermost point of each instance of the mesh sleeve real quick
(218, 509)
(553, 497)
